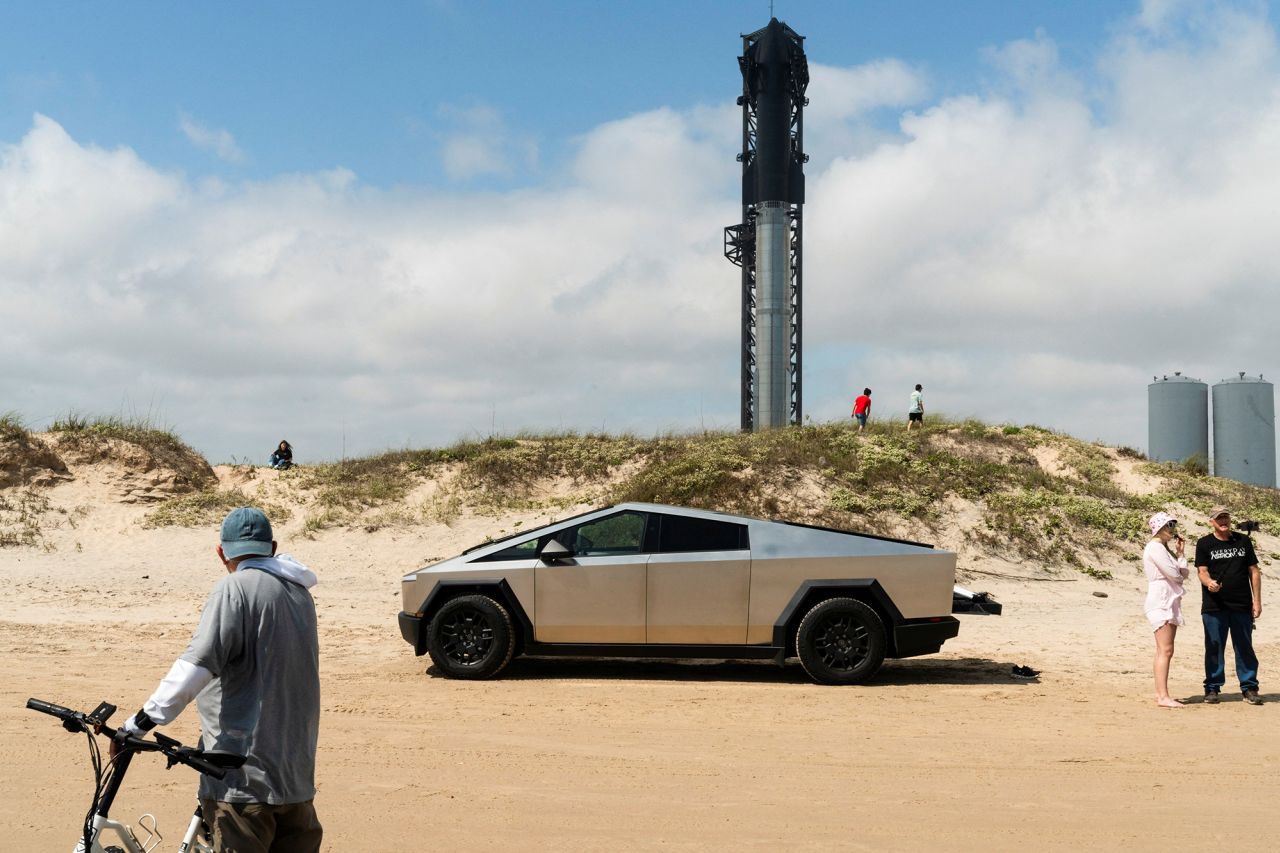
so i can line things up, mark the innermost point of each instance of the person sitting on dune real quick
(283, 456)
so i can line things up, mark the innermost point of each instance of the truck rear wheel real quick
(841, 641)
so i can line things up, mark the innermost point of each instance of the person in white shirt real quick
(1166, 569)
(915, 409)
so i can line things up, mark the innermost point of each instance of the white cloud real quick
(841, 119)
(64, 205)
(1159, 15)
(844, 93)
(1030, 67)
(217, 141)
(301, 304)
(1098, 232)
(479, 143)
(1030, 252)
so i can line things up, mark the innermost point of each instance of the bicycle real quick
(109, 778)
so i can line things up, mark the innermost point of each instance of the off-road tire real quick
(841, 641)
(471, 637)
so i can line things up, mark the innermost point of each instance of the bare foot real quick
(1169, 702)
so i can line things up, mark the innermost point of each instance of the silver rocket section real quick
(772, 390)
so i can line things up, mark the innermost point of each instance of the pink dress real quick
(1164, 585)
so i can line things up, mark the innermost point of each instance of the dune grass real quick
(12, 427)
(826, 473)
(94, 435)
(493, 474)
(139, 431)
(1185, 485)
(820, 473)
(23, 516)
(883, 469)
(207, 508)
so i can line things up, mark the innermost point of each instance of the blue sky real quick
(366, 226)
(306, 87)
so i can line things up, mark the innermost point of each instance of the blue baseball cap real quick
(245, 532)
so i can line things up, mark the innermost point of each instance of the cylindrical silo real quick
(1178, 420)
(1244, 430)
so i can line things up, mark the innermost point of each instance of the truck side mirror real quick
(554, 551)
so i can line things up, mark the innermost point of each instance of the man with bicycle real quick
(253, 669)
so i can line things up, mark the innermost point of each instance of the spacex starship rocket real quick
(767, 243)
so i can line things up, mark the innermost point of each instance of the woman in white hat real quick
(1166, 569)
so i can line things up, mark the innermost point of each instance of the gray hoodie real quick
(257, 636)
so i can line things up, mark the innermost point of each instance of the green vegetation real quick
(710, 471)
(495, 474)
(12, 427)
(1200, 493)
(138, 431)
(1040, 496)
(818, 473)
(23, 518)
(93, 437)
(831, 474)
(1099, 574)
(500, 464)
(1052, 524)
(1090, 464)
(206, 508)
(828, 472)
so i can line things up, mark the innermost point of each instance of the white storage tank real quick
(1178, 419)
(1244, 430)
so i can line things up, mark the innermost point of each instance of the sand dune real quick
(943, 752)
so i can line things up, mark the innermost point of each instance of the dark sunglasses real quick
(1170, 525)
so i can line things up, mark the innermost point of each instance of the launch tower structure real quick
(768, 243)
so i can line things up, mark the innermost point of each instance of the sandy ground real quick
(945, 752)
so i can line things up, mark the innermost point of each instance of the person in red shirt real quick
(862, 408)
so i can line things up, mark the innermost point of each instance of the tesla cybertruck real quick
(650, 581)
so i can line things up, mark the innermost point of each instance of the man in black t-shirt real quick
(1231, 598)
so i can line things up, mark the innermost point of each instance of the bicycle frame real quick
(194, 841)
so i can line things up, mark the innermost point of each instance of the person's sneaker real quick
(1252, 697)
(1211, 697)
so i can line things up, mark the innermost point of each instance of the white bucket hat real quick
(1159, 520)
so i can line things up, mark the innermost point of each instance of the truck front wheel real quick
(471, 637)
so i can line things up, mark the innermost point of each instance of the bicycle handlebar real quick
(64, 714)
(198, 763)
(197, 759)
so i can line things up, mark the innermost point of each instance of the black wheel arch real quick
(811, 592)
(496, 588)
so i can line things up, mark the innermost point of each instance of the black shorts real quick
(915, 416)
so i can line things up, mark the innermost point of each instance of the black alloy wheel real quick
(471, 637)
(841, 641)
